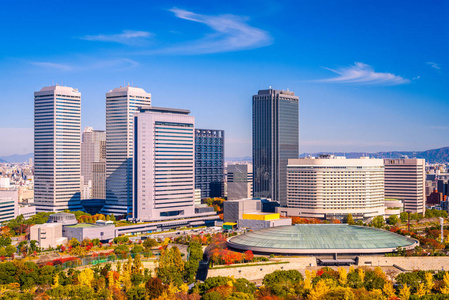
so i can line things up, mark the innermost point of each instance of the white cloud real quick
(231, 33)
(120, 63)
(51, 65)
(127, 37)
(16, 141)
(434, 65)
(364, 74)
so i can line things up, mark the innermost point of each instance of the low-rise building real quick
(8, 204)
(260, 220)
(103, 232)
(233, 210)
(48, 235)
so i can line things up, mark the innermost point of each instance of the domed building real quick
(321, 239)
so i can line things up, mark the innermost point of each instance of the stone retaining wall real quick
(255, 272)
(408, 263)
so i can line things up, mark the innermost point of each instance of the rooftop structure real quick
(321, 239)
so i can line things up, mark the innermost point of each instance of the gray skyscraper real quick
(57, 127)
(93, 150)
(209, 162)
(275, 140)
(121, 105)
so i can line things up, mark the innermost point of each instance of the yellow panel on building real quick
(261, 217)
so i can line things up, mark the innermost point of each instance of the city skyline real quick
(376, 81)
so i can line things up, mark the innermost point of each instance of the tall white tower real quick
(57, 126)
(121, 104)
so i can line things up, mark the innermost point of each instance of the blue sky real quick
(370, 75)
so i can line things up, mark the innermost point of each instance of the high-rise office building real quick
(93, 150)
(332, 187)
(164, 164)
(240, 181)
(209, 162)
(121, 105)
(405, 179)
(275, 140)
(57, 170)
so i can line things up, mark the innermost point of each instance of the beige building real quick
(405, 179)
(240, 181)
(332, 187)
(48, 235)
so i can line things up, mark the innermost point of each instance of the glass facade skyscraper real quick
(275, 140)
(209, 162)
(121, 105)
(57, 152)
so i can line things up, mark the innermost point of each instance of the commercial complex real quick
(93, 156)
(405, 180)
(240, 181)
(57, 126)
(121, 105)
(164, 164)
(209, 162)
(275, 140)
(333, 187)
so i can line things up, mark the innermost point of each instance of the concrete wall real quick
(254, 272)
(408, 263)
(95, 232)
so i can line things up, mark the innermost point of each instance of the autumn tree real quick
(349, 219)
(171, 266)
(155, 288)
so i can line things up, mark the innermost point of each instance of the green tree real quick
(349, 220)
(10, 250)
(403, 216)
(171, 266)
(379, 222)
(5, 241)
(150, 243)
(393, 220)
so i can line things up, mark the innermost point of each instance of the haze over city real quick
(370, 76)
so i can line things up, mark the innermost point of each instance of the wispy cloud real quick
(433, 65)
(51, 65)
(364, 74)
(231, 33)
(119, 63)
(127, 37)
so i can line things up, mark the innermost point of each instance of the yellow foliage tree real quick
(389, 290)
(55, 281)
(361, 273)
(445, 288)
(429, 282)
(421, 291)
(125, 275)
(378, 271)
(376, 294)
(318, 291)
(404, 292)
(342, 276)
(85, 277)
(308, 280)
(137, 267)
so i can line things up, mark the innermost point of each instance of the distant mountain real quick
(237, 159)
(440, 155)
(16, 158)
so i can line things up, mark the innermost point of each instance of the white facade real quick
(57, 126)
(405, 179)
(93, 149)
(47, 235)
(240, 181)
(197, 196)
(5, 182)
(164, 181)
(8, 204)
(329, 188)
(121, 105)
